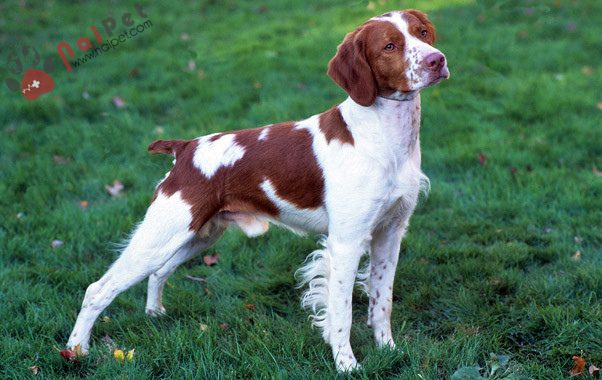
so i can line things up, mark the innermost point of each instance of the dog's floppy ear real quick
(425, 20)
(350, 69)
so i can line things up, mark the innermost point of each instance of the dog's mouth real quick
(443, 74)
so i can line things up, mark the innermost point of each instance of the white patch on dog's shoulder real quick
(211, 155)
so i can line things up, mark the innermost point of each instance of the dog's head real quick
(391, 55)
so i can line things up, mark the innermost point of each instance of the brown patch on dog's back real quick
(285, 158)
(333, 126)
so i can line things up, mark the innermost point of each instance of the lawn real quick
(504, 257)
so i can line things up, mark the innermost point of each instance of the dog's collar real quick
(401, 96)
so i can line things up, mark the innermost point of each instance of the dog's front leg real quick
(384, 255)
(344, 261)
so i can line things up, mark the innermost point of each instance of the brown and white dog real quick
(351, 173)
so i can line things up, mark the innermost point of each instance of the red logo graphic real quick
(35, 83)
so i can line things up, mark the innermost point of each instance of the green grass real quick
(486, 266)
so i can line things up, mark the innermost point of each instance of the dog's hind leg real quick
(212, 231)
(164, 230)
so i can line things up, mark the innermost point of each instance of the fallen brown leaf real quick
(211, 260)
(60, 159)
(579, 365)
(482, 158)
(596, 171)
(587, 70)
(224, 326)
(34, 369)
(576, 256)
(84, 204)
(208, 292)
(115, 189)
(250, 306)
(599, 105)
(203, 326)
(68, 355)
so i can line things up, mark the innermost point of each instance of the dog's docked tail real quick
(168, 146)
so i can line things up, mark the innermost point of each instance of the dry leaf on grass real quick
(34, 369)
(118, 102)
(119, 355)
(196, 279)
(71, 355)
(84, 204)
(224, 326)
(211, 260)
(579, 365)
(482, 159)
(60, 159)
(250, 306)
(115, 189)
(596, 171)
(203, 326)
(191, 66)
(576, 256)
(594, 371)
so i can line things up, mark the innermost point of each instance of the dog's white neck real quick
(389, 123)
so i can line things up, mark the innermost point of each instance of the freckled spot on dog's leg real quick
(377, 294)
(340, 282)
(340, 330)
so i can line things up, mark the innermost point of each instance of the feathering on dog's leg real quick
(156, 281)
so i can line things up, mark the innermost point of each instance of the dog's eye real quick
(424, 32)
(389, 47)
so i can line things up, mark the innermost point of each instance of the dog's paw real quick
(156, 312)
(346, 364)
